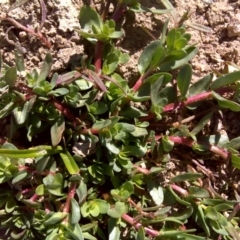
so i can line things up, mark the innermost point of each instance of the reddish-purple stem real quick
(34, 197)
(196, 98)
(98, 56)
(71, 194)
(137, 225)
(117, 15)
(190, 142)
(179, 190)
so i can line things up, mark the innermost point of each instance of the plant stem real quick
(71, 194)
(140, 81)
(190, 143)
(131, 221)
(196, 98)
(98, 56)
(39, 35)
(179, 190)
(34, 197)
(121, 8)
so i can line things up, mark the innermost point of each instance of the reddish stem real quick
(179, 190)
(196, 98)
(190, 142)
(34, 197)
(71, 194)
(117, 15)
(65, 111)
(140, 81)
(137, 225)
(98, 56)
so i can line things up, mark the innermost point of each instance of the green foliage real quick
(93, 149)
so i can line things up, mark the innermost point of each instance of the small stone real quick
(233, 27)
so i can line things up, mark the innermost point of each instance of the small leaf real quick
(141, 234)
(211, 213)
(226, 80)
(167, 144)
(55, 218)
(156, 192)
(146, 56)
(198, 192)
(154, 92)
(19, 61)
(11, 76)
(40, 190)
(70, 163)
(113, 229)
(57, 130)
(186, 177)
(118, 210)
(201, 124)
(173, 64)
(21, 112)
(183, 79)
(235, 160)
(101, 124)
(89, 16)
(54, 183)
(20, 176)
(45, 69)
(75, 212)
(224, 103)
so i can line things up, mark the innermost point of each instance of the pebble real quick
(233, 28)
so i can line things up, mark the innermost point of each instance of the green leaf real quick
(170, 39)
(118, 210)
(103, 205)
(23, 174)
(173, 64)
(19, 59)
(11, 76)
(101, 124)
(184, 78)
(234, 143)
(211, 213)
(180, 43)
(10, 205)
(224, 103)
(226, 80)
(167, 144)
(54, 183)
(21, 112)
(147, 55)
(75, 212)
(186, 177)
(235, 160)
(55, 218)
(200, 219)
(155, 191)
(141, 234)
(157, 57)
(45, 69)
(7, 109)
(132, 112)
(69, 162)
(40, 190)
(197, 192)
(201, 124)
(175, 55)
(98, 108)
(200, 86)
(154, 92)
(113, 229)
(57, 130)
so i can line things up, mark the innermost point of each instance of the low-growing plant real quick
(85, 151)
